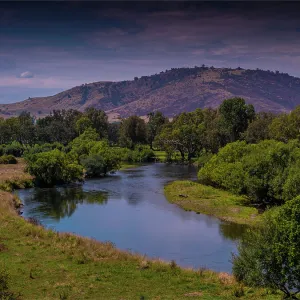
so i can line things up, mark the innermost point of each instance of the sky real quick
(48, 47)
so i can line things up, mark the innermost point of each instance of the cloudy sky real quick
(49, 47)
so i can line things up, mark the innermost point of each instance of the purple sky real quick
(49, 47)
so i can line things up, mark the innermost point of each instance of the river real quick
(130, 210)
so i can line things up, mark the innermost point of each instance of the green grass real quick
(160, 155)
(211, 201)
(126, 166)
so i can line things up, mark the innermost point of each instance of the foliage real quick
(83, 124)
(269, 255)
(83, 143)
(183, 134)
(15, 149)
(154, 125)
(98, 119)
(59, 126)
(267, 172)
(235, 117)
(133, 131)
(140, 153)
(53, 167)
(38, 148)
(101, 159)
(8, 159)
(258, 129)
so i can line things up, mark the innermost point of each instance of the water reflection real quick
(232, 231)
(60, 202)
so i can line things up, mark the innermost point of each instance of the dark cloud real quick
(71, 42)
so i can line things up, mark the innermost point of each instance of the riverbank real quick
(43, 264)
(211, 201)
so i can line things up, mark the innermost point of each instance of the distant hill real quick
(172, 91)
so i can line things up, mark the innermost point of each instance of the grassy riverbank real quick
(208, 200)
(43, 264)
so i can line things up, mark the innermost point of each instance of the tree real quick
(154, 125)
(235, 117)
(258, 129)
(183, 134)
(286, 126)
(27, 134)
(133, 131)
(269, 255)
(99, 120)
(83, 124)
(113, 133)
(59, 126)
(53, 167)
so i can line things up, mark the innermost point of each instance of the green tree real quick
(154, 125)
(184, 134)
(235, 117)
(53, 167)
(269, 255)
(99, 120)
(83, 124)
(101, 159)
(258, 129)
(133, 131)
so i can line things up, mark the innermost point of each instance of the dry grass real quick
(14, 176)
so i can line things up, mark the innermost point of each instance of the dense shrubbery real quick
(140, 153)
(8, 159)
(269, 255)
(43, 148)
(14, 148)
(54, 167)
(267, 172)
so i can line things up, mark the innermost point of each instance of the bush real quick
(53, 167)
(267, 172)
(140, 154)
(8, 159)
(44, 148)
(15, 149)
(101, 159)
(269, 256)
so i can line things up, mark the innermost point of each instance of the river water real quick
(130, 210)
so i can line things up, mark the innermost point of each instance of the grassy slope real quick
(44, 264)
(210, 201)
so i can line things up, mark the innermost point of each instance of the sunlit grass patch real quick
(211, 201)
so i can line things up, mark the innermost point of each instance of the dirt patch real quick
(3, 248)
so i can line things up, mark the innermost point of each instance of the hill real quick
(172, 91)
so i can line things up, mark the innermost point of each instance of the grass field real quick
(208, 200)
(43, 264)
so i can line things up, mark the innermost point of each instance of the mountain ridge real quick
(171, 91)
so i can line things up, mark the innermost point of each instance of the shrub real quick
(269, 256)
(44, 148)
(101, 159)
(53, 167)
(267, 172)
(15, 149)
(8, 159)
